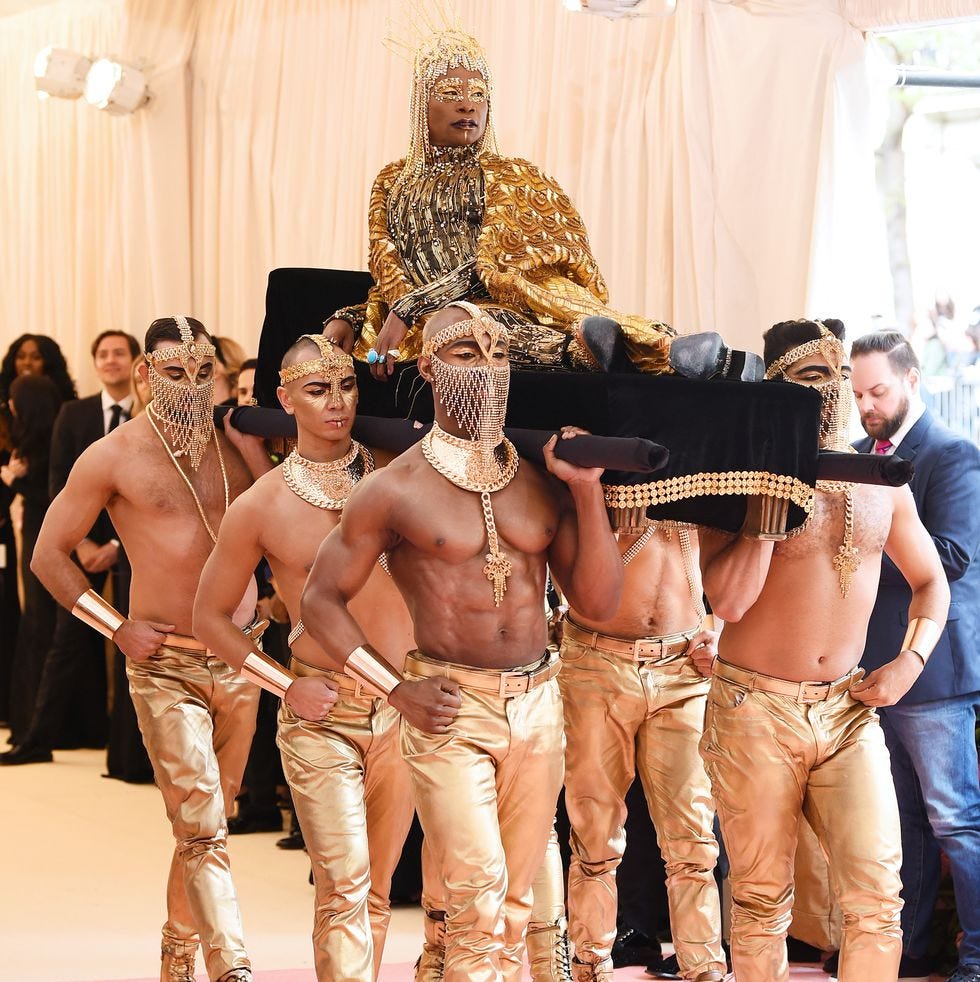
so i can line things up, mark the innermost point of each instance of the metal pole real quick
(905, 76)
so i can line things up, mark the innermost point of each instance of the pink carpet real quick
(404, 973)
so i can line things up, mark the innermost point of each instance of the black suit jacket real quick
(79, 424)
(946, 488)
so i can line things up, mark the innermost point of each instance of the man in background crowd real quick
(73, 677)
(931, 731)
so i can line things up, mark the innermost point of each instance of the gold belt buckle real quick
(813, 691)
(646, 648)
(514, 683)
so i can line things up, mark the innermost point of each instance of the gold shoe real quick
(430, 966)
(547, 952)
(177, 962)
(592, 971)
(710, 977)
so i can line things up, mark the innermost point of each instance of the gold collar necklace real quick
(327, 484)
(471, 466)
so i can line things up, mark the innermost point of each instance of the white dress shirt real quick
(107, 403)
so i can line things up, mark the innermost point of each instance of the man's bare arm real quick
(911, 549)
(344, 563)
(70, 516)
(734, 571)
(223, 582)
(584, 555)
(225, 579)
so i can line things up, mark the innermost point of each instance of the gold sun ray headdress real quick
(429, 34)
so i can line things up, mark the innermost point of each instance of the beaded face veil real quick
(476, 397)
(835, 392)
(185, 407)
(436, 43)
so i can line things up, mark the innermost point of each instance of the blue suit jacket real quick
(946, 488)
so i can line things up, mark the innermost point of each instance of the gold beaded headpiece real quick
(333, 360)
(476, 327)
(188, 349)
(432, 37)
(827, 344)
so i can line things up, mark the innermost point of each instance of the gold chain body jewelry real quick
(848, 558)
(687, 555)
(221, 463)
(634, 550)
(462, 463)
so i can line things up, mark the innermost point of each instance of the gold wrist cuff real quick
(921, 637)
(259, 668)
(366, 666)
(101, 616)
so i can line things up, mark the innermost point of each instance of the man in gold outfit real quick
(349, 784)
(167, 479)
(634, 701)
(790, 726)
(469, 529)
(455, 220)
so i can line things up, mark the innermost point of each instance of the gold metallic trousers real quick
(816, 914)
(353, 799)
(773, 758)
(197, 717)
(486, 795)
(624, 717)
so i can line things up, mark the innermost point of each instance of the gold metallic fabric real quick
(773, 758)
(353, 799)
(528, 244)
(622, 718)
(816, 913)
(547, 931)
(197, 717)
(486, 793)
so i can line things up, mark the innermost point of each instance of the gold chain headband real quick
(332, 359)
(187, 349)
(827, 344)
(479, 323)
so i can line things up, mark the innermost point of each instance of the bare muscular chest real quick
(871, 521)
(448, 522)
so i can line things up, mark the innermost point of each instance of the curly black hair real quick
(55, 366)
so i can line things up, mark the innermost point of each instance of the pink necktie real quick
(882, 446)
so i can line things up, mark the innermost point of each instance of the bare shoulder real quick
(118, 452)
(263, 495)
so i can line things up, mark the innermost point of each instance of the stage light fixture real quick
(59, 72)
(115, 87)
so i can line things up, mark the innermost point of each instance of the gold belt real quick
(343, 681)
(642, 649)
(800, 691)
(506, 683)
(187, 643)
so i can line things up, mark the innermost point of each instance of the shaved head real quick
(443, 318)
(302, 350)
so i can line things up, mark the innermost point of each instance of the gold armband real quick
(366, 666)
(101, 616)
(267, 674)
(921, 637)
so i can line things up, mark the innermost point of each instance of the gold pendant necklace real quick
(847, 561)
(474, 467)
(327, 484)
(150, 413)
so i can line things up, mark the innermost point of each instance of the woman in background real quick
(34, 403)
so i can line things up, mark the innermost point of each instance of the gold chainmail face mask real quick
(835, 392)
(185, 407)
(476, 397)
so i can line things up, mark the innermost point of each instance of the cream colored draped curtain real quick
(721, 158)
